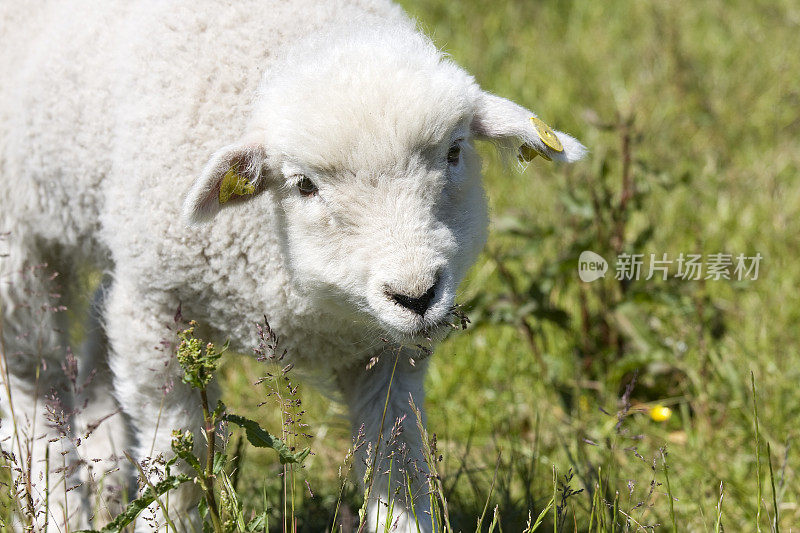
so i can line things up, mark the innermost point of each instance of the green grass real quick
(707, 95)
(711, 88)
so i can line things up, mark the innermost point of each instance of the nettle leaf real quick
(140, 504)
(219, 462)
(259, 522)
(260, 438)
(192, 461)
(182, 445)
(202, 508)
(218, 410)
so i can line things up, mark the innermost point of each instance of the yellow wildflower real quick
(660, 413)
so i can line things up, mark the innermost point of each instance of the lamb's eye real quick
(453, 154)
(307, 187)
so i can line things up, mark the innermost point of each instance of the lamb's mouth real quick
(423, 338)
(431, 333)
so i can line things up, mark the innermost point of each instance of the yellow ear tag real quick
(234, 184)
(546, 135)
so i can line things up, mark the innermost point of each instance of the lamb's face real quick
(367, 145)
(388, 231)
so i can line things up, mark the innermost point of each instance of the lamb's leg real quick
(147, 384)
(37, 379)
(100, 423)
(398, 451)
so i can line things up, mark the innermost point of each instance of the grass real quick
(540, 414)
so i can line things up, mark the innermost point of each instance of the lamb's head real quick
(366, 142)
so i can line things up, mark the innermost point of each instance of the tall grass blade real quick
(435, 480)
(555, 507)
(489, 497)
(495, 519)
(718, 523)
(540, 518)
(758, 452)
(411, 502)
(774, 494)
(615, 512)
(669, 493)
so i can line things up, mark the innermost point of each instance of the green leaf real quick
(258, 523)
(218, 410)
(191, 460)
(260, 438)
(219, 463)
(202, 508)
(140, 504)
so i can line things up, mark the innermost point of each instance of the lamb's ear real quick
(515, 128)
(232, 175)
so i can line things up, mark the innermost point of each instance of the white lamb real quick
(362, 210)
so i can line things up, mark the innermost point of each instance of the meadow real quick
(557, 389)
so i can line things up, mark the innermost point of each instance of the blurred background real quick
(691, 112)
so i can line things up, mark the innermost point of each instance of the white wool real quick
(118, 121)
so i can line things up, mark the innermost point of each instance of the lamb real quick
(311, 163)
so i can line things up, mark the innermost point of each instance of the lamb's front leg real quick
(36, 396)
(148, 386)
(397, 475)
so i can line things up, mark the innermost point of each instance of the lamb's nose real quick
(419, 304)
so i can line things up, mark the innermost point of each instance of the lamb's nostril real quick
(419, 304)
